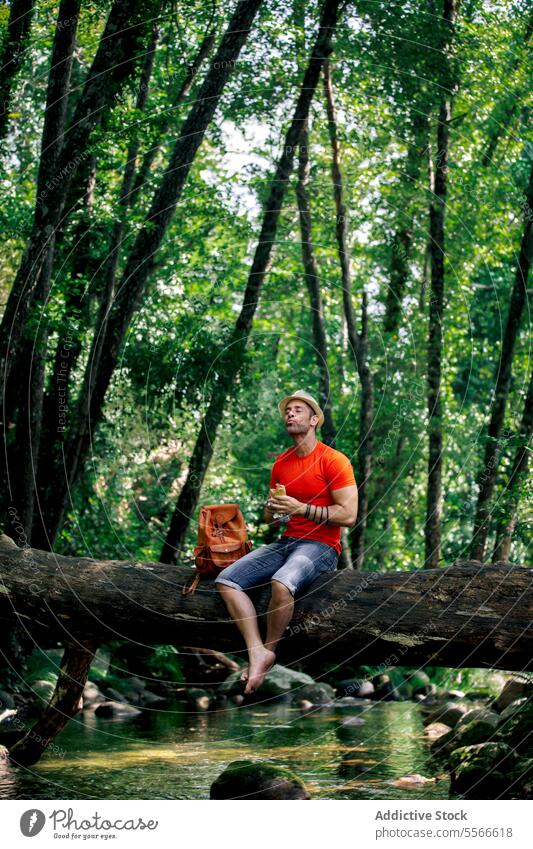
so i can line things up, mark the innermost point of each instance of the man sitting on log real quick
(313, 488)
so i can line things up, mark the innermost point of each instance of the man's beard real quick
(298, 428)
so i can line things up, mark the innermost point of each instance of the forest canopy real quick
(206, 206)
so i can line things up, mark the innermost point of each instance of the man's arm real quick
(342, 513)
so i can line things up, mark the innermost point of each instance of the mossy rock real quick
(449, 713)
(521, 779)
(484, 771)
(465, 734)
(513, 690)
(516, 729)
(252, 780)
(483, 714)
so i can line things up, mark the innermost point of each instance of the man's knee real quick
(226, 588)
(280, 591)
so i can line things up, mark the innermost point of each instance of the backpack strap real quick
(191, 588)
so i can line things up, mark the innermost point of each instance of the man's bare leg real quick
(243, 613)
(280, 612)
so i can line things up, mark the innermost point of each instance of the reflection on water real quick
(176, 754)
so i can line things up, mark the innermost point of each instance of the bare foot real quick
(260, 663)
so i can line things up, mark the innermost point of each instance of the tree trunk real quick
(466, 615)
(64, 704)
(312, 281)
(518, 474)
(231, 361)
(487, 475)
(358, 342)
(113, 63)
(16, 40)
(106, 346)
(436, 306)
(403, 237)
(328, 432)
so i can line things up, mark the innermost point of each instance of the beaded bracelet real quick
(313, 518)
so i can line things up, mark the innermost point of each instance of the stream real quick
(174, 753)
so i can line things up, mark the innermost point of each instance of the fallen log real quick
(466, 615)
(469, 614)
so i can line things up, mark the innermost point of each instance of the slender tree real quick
(511, 496)
(231, 361)
(358, 341)
(437, 212)
(488, 471)
(402, 241)
(312, 281)
(16, 40)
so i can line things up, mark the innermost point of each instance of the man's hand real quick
(285, 505)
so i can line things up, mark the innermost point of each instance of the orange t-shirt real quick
(311, 479)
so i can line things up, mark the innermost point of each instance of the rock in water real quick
(359, 688)
(466, 734)
(512, 691)
(116, 710)
(449, 713)
(411, 782)
(279, 681)
(253, 780)
(482, 771)
(92, 695)
(317, 694)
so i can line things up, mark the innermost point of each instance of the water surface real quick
(174, 753)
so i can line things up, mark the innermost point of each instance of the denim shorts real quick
(295, 563)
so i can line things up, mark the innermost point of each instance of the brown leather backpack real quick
(222, 539)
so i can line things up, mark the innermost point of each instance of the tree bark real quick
(511, 495)
(436, 305)
(107, 341)
(487, 475)
(358, 342)
(231, 361)
(312, 281)
(64, 704)
(403, 237)
(328, 432)
(466, 615)
(16, 40)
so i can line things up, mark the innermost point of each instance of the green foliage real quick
(387, 74)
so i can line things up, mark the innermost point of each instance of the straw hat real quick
(301, 395)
